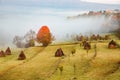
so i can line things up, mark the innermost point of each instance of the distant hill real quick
(106, 13)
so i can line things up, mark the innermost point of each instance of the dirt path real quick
(34, 55)
(54, 67)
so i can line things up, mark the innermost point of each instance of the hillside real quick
(42, 65)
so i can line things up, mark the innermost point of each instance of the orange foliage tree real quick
(44, 36)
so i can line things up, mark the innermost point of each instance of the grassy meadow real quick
(41, 64)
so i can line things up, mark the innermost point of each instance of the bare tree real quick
(18, 41)
(30, 38)
(30, 35)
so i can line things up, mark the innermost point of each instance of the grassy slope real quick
(41, 64)
(9, 62)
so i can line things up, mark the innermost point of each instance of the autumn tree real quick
(44, 36)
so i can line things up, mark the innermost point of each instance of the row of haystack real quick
(111, 45)
(22, 56)
(7, 52)
(59, 52)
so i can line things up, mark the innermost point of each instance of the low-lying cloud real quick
(103, 1)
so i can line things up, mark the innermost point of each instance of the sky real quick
(19, 16)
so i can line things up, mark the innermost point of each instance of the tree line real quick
(44, 36)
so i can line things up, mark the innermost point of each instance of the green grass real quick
(42, 65)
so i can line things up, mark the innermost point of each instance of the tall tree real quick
(44, 36)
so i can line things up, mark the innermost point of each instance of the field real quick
(41, 64)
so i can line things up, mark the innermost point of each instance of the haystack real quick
(21, 56)
(112, 44)
(2, 54)
(59, 53)
(8, 51)
(86, 45)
